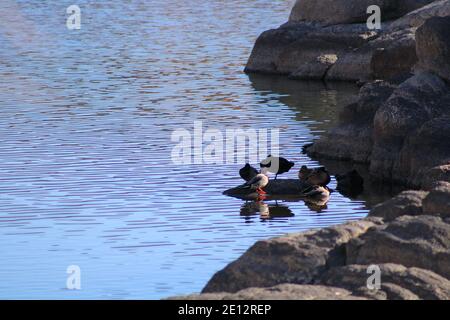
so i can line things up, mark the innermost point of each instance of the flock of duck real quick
(314, 180)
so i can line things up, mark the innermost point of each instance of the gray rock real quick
(406, 203)
(348, 11)
(438, 200)
(433, 46)
(394, 56)
(417, 17)
(412, 104)
(295, 258)
(421, 241)
(397, 282)
(279, 292)
(305, 50)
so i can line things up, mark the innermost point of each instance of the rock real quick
(438, 200)
(417, 17)
(349, 11)
(295, 258)
(315, 70)
(433, 46)
(421, 241)
(394, 56)
(406, 203)
(426, 148)
(352, 138)
(397, 282)
(271, 44)
(279, 292)
(412, 103)
(438, 173)
(279, 187)
(305, 51)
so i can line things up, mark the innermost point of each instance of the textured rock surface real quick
(397, 282)
(406, 203)
(400, 130)
(438, 200)
(422, 241)
(279, 292)
(329, 40)
(350, 11)
(433, 46)
(417, 17)
(295, 258)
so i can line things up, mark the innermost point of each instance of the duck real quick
(248, 172)
(304, 173)
(281, 165)
(258, 182)
(316, 193)
(317, 176)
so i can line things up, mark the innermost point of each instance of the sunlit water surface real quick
(86, 118)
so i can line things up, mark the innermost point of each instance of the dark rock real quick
(350, 184)
(394, 56)
(413, 103)
(438, 200)
(433, 46)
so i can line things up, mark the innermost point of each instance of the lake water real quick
(86, 176)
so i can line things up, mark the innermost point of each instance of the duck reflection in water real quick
(265, 210)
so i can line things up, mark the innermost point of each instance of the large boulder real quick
(306, 51)
(438, 200)
(406, 203)
(420, 241)
(412, 104)
(397, 282)
(279, 292)
(417, 17)
(295, 258)
(394, 56)
(433, 46)
(350, 11)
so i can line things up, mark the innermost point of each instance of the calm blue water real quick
(86, 118)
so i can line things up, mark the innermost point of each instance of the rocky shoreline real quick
(399, 126)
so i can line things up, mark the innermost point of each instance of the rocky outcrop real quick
(296, 258)
(407, 238)
(350, 11)
(279, 292)
(397, 282)
(403, 135)
(406, 203)
(422, 241)
(329, 40)
(433, 46)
